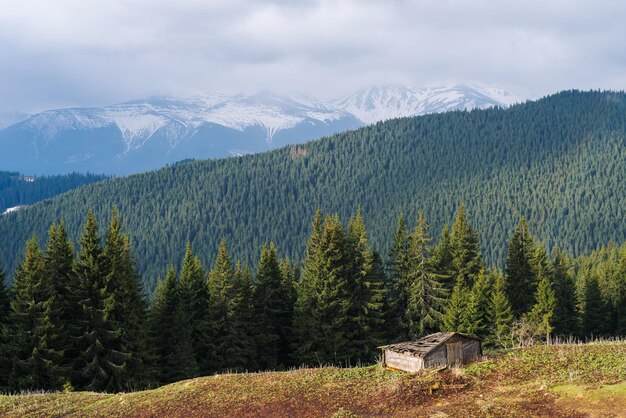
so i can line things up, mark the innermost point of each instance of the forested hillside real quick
(558, 161)
(17, 189)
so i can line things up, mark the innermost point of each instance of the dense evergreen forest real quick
(78, 320)
(17, 189)
(558, 162)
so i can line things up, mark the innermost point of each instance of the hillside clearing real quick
(554, 381)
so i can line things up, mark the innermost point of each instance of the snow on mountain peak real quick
(175, 119)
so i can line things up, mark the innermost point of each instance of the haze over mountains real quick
(147, 134)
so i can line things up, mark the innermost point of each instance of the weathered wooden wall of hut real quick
(437, 357)
(401, 361)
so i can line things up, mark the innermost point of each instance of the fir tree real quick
(195, 303)
(520, 276)
(171, 333)
(34, 329)
(221, 280)
(426, 293)
(466, 257)
(500, 315)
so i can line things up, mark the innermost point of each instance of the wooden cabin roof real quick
(424, 345)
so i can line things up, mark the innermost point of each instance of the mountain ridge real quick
(165, 129)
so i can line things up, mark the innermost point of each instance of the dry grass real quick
(536, 381)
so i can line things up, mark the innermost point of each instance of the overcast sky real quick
(94, 52)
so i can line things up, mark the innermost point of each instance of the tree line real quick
(78, 320)
(558, 161)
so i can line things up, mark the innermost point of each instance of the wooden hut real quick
(434, 350)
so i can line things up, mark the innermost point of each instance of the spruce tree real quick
(594, 309)
(288, 283)
(565, 321)
(5, 353)
(221, 280)
(126, 309)
(195, 303)
(367, 293)
(66, 311)
(500, 315)
(99, 360)
(306, 322)
(332, 294)
(426, 293)
(466, 256)
(442, 259)
(542, 312)
(520, 276)
(171, 333)
(476, 318)
(399, 285)
(454, 315)
(241, 347)
(271, 310)
(34, 328)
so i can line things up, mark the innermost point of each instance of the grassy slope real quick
(554, 381)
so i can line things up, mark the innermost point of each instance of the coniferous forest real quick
(558, 162)
(77, 318)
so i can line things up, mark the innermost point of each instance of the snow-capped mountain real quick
(147, 134)
(387, 102)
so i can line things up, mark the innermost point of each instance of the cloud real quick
(80, 53)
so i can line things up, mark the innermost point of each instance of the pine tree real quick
(398, 294)
(426, 293)
(221, 280)
(466, 256)
(195, 303)
(520, 277)
(271, 310)
(595, 309)
(500, 315)
(565, 319)
(171, 333)
(33, 327)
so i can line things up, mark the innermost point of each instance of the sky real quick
(71, 53)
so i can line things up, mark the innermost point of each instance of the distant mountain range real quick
(147, 134)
